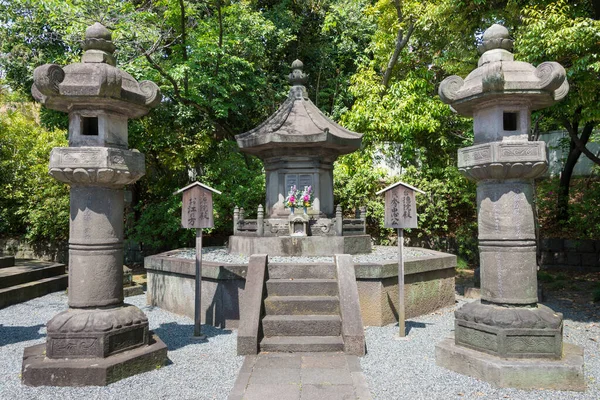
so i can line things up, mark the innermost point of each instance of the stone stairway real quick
(301, 308)
(23, 280)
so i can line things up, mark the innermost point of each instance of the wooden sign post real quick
(400, 213)
(197, 212)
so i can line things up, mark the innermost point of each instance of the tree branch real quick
(401, 42)
(184, 53)
(184, 100)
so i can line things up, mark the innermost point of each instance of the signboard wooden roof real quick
(400, 205)
(197, 184)
(406, 185)
(197, 210)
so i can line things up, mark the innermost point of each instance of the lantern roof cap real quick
(499, 77)
(95, 83)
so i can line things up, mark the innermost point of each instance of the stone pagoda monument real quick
(507, 338)
(99, 339)
(298, 146)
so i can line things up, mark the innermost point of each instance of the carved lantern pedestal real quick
(99, 339)
(507, 338)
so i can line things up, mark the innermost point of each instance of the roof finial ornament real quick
(297, 77)
(98, 45)
(496, 37)
(497, 45)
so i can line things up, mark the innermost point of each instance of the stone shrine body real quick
(298, 146)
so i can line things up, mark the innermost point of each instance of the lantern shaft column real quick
(96, 247)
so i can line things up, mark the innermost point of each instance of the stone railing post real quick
(363, 218)
(339, 222)
(236, 219)
(260, 218)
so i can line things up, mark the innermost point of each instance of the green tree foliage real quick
(373, 65)
(32, 203)
(568, 33)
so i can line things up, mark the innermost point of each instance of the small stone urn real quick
(99, 339)
(508, 323)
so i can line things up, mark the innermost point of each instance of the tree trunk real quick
(567, 172)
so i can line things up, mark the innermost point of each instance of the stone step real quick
(302, 287)
(302, 271)
(302, 305)
(20, 274)
(27, 291)
(302, 344)
(7, 261)
(302, 325)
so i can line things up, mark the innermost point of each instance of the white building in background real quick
(387, 156)
(558, 149)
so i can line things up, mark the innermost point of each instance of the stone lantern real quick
(99, 339)
(507, 338)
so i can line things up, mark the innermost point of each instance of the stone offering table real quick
(507, 338)
(99, 339)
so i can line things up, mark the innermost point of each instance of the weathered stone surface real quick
(96, 165)
(299, 140)
(531, 373)
(252, 309)
(302, 325)
(300, 344)
(352, 324)
(85, 333)
(300, 246)
(38, 370)
(30, 290)
(517, 332)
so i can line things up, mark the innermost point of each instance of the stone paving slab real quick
(300, 376)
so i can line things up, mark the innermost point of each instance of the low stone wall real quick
(59, 252)
(429, 285)
(583, 253)
(42, 251)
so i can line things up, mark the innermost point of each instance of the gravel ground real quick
(197, 370)
(394, 369)
(378, 254)
(405, 369)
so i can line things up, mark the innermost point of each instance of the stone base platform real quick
(429, 285)
(300, 245)
(38, 370)
(532, 373)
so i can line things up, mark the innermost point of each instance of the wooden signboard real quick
(400, 206)
(197, 213)
(400, 213)
(197, 210)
